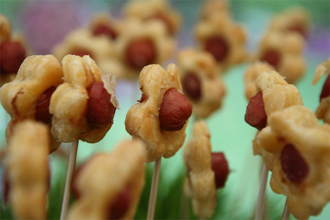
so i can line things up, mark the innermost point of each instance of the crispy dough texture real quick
(201, 179)
(291, 16)
(213, 88)
(142, 118)
(101, 48)
(250, 76)
(277, 95)
(298, 125)
(20, 96)
(105, 176)
(136, 29)
(234, 34)
(323, 110)
(69, 101)
(290, 46)
(143, 10)
(27, 165)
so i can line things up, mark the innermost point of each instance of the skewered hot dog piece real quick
(109, 188)
(83, 106)
(300, 148)
(201, 81)
(28, 95)
(206, 171)
(161, 116)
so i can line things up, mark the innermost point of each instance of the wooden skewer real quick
(286, 212)
(153, 191)
(262, 190)
(71, 165)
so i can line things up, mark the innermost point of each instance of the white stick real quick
(286, 212)
(153, 191)
(262, 190)
(71, 165)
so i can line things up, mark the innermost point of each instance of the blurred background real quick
(46, 23)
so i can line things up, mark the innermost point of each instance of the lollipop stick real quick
(72, 162)
(153, 191)
(286, 212)
(262, 190)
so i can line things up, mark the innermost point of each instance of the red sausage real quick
(174, 110)
(99, 108)
(255, 112)
(140, 52)
(192, 86)
(104, 30)
(42, 107)
(218, 47)
(326, 89)
(272, 57)
(220, 168)
(12, 55)
(293, 164)
(121, 203)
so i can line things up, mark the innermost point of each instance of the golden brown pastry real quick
(301, 151)
(28, 95)
(285, 52)
(104, 24)
(251, 74)
(200, 81)
(27, 170)
(141, 44)
(159, 10)
(161, 117)
(293, 19)
(223, 38)
(200, 184)
(83, 106)
(323, 110)
(275, 94)
(100, 48)
(110, 184)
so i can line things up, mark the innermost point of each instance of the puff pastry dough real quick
(295, 19)
(200, 184)
(28, 170)
(135, 29)
(233, 35)
(250, 76)
(68, 103)
(104, 176)
(277, 95)
(323, 110)
(286, 51)
(157, 10)
(298, 126)
(142, 119)
(100, 48)
(213, 89)
(20, 96)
